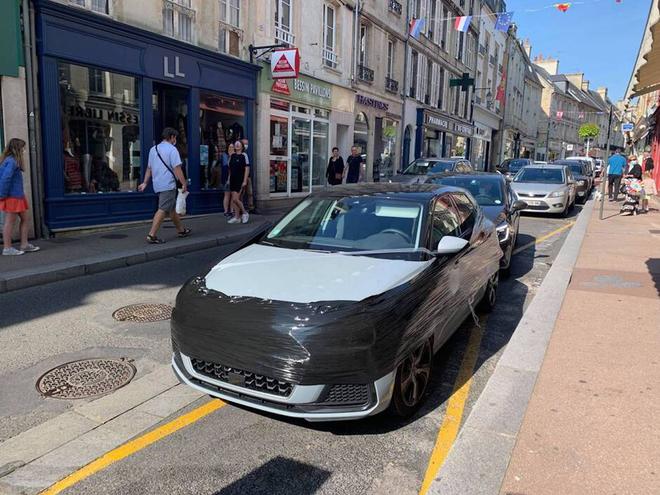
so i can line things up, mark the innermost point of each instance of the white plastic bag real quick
(181, 202)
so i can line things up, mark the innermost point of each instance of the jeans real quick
(613, 181)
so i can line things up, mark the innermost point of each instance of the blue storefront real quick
(107, 91)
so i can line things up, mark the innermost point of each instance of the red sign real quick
(280, 86)
(285, 64)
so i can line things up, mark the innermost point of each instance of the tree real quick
(589, 132)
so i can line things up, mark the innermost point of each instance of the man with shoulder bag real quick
(164, 168)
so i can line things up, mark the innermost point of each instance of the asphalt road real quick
(236, 451)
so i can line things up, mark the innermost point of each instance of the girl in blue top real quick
(12, 198)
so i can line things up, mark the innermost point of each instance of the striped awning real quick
(646, 74)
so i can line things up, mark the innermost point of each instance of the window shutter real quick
(421, 79)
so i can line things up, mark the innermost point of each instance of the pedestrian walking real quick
(226, 200)
(239, 174)
(248, 189)
(353, 172)
(12, 198)
(164, 168)
(648, 165)
(335, 171)
(616, 167)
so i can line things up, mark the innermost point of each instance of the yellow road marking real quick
(543, 238)
(133, 446)
(455, 407)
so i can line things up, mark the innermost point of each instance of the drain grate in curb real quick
(143, 313)
(86, 378)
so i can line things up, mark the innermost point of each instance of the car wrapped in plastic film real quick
(337, 311)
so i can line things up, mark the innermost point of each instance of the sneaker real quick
(12, 251)
(233, 220)
(30, 248)
(245, 217)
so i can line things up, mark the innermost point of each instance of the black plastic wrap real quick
(332, 342)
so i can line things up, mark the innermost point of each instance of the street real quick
(232, 450)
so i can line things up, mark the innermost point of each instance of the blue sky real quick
(612, 30)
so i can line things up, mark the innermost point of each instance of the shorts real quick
(235, 186)
(13, 205)
(167, 200)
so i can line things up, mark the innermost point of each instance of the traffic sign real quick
(627, 127)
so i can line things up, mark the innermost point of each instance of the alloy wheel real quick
(415, 374)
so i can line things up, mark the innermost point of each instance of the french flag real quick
(463, 23)
(416, 26)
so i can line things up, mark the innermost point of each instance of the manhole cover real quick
(86, 378)
(114, 236)
(142, 313)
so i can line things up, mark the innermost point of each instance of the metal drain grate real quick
(142, 313)
(86, 378)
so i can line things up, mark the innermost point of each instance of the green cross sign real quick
(464, 82)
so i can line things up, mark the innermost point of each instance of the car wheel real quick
(564, 213)
(506, 271)
(412, 379)
(487, 303)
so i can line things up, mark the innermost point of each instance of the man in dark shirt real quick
(354, 169)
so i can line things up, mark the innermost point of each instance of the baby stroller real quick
(632, 189)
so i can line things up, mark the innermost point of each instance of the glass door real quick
(170, 109)
(319, 152)
(301, 131)
(279, 152)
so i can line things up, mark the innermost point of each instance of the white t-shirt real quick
(163, 180)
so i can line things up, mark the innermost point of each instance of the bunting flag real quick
(503, 21)
(416, 27)
(463, 23)
(563, 7)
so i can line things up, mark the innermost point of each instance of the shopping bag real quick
(181, 202)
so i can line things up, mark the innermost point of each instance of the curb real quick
(23, 279)
(478, 460)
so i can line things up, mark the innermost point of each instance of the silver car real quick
(546, 188)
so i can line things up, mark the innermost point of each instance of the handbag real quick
(178, 182)
(338, 175)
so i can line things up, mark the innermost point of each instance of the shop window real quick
(100, 133)
(283, 24)
(361, 134)
(320, 154)
(222, 121)
(178, 19)
(388, 148)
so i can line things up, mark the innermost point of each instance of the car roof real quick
(438, 159)
(445, 175)
(416, 192)
(546, 165)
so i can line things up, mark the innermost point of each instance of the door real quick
(170, 109)
(279, 152)
(301, 132)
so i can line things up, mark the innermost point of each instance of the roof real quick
(417, 192)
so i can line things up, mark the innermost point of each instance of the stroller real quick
(632, 189)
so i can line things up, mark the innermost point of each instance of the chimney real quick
(576, 79)
(527, 46)
(549, 64)
(585, 86)
(602, 91)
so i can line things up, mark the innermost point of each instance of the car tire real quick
(506, 272)
(412, 380)
(488, 301)
(564, 213)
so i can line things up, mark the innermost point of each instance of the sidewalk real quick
(592, 422)
(71, 255)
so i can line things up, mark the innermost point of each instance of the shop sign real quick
(372, 102)
(437, 122)
(463, 129)
(312, 89)
(168, 71)
(449, 125)
(281, 87)
(285, 64)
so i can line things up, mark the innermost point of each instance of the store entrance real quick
(170, 109)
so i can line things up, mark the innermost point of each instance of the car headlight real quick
(581, 182)
(503, 231)
(557, 194)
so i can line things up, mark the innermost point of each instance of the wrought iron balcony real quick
(365, 73)
(283, 35)
(395, 7)
(329, 57)
(391, 85)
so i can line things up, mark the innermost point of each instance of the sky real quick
(598, 37)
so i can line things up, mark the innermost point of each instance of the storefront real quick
(440, 136)
(108, 90)
(481, 147)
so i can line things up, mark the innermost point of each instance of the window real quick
(363, 44)
(100, 6)
(229, 12)
(456, 98)
(329, 33)
(429, 82)
(97, 81)
(432, 20)
(414, 62)
(445, 27)
(229, 38)
(178, 18)
(460, 46)
(467, 212)
(445, 221)
(100, 137)
(441, 89)
(283, 22)
(390, 59)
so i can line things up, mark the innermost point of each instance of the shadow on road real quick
(279, 476)
(653, 265)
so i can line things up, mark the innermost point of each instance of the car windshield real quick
(486, 190)
(516, 165)
(576, 168)
(423, 167)
(354, 223)
(540, 175)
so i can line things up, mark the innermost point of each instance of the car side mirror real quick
(451, 245)
(509, 178)
(519, 205)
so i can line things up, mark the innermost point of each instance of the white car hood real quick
(299, 276)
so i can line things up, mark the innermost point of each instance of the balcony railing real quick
(395, 7)
(329, 58)
(283, 35)
(391, 85)
(365, 73)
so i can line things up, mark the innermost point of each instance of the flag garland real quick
(563, 7)
(416, 27)
(462, 23)
(503, 21)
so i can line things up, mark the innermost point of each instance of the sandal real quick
(152, 239)
(185, 233)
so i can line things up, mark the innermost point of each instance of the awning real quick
(646, 74)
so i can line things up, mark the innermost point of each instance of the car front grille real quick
(525, 195)
(242, 378)
(347, 394)
(538, 207)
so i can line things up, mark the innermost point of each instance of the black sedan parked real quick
(337, 311)
(417, 171)
(583, 181)
(498, 202)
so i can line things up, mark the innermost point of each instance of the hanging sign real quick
(285, 64)
(627, 127)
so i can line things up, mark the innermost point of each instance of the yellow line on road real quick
(455, 407)
(543, 238)
(133, 446)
